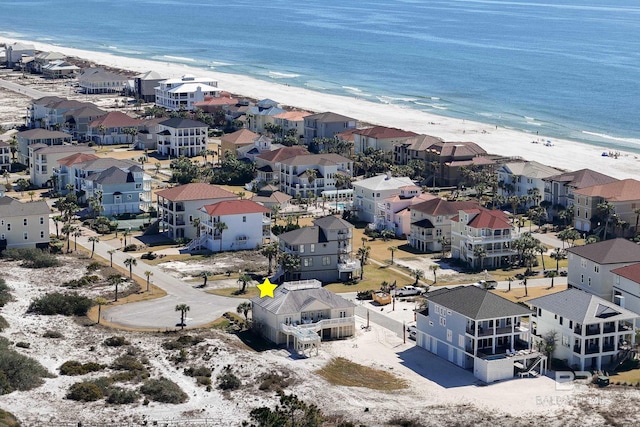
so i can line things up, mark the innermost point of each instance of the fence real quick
(382, 320)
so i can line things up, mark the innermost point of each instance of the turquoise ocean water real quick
(566, 68)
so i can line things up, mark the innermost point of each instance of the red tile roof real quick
(617, 191)
(77, 158)
(283, 153)
(216, 100)
(242, 136)
(383, 132)
(195, 191)
(495, 220)
(116, 119)
(347, 135)
(234, 207)
(292, 115)
(438, 206)
(631, 272)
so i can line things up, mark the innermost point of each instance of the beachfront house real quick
(622, 196)
(291, 122)
(181, 93)
(99, 80)
(324, 250)
(369, 193)
(16, 51)
(559, 189)
(179, 206)
(114, 128)
(257, 116)
(302, 314)
(248, 225)
(430, 223)
(626, 287)
(524, 179)
(309, 175)
(144, 86)
(590, 265)
(591, 333)
(182, 137)
(326, 125)
(43, 161)
(59, 69)
(24, 224)
(38, 136)
(479, 331)
(483, 238)
(379, 138)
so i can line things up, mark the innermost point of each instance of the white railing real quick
(348, 266)
(316, 326)
(197, 242)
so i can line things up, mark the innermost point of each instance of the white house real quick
(23, 225)
(524, 179)
(244, 224)
(302, 314)
(592, 333)
(311, 174)
(43, 161)
(369, 193)
(181, 93)
(99, 80)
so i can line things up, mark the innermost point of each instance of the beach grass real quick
(340, 371)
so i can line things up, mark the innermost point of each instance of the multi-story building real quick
(65, 173)
(591, 333)
(559, 189)
(626, 287)
(379, 138)
(623, 196)
(303, 313)
(311, 174)
(181, 93)
(178, 206)
(590, 266)
(268, 163)
(5, 156)
(248, 225)
(43, 161)
(119, 189)
(326, 125)
(257, 116)
(394, 213)
(524, 179)
(291, 121)
(324, 250)
(144, 85)
(480, 331)
(182, 137)
(16, 51)
(369, 193)
(229, 143)
(112, 129)
(23, 225)
(430, 226)
(482, 238)
(99, 80)
(38, 136)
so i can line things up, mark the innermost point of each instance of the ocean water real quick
(565, 68)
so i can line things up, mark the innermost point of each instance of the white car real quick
(406, 291)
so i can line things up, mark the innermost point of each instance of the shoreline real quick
(563, 154)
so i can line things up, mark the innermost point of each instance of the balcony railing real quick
(593, 330)
(349, 266)
(608, 328)
(609, 347)
(577, 329)
(577, 349)
(592, 349)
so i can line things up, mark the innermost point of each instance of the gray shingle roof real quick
(11, 208)
(286, 301)
(178, 123)
(476, 303)
(581, 307)
(303, 236)
(113, 175)
(331, 222)
(614, 251)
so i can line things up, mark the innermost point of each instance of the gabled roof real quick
(277, 197)
(114, 175)
(52, 149)
(194, 87)
(581, 307)
(614, 251)
(10, 208)
(617, 191)
(383, 132)
(242, 136)
(347, 135)
(631, 272)
(329, 117)
(476, 303)
(421, 142)
(116, 119)
(77, 158)
(234, 207)
(216, 101)
(438, 206)
(492, 219)
(331, 222)
(315, 159)
(42, 134)
(289, 300)
(178, 123)
(47, 99)
(283, 153)
(383, 182)
(530, 169)
(86, 111)
(195, 191)
(103, 163)
(582, 178)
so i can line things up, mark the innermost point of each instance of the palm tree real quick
(68, 229)
(510, 279)
(100, 302)
(125, 233)
(364, 240)
(363, 254)
(182, 308)
(76, 233)
(130, 262)
(93, 240)
(444, 242)
(541, 249)
(393, 249)
(244, 309)
(552, 274)
(270, 251)
(243, 279)
(31, 194)
(606, 209)
(220, 227)
(103, 131)
(524, 283)
(196, 225)
(115, 280)
(557, 254)
(434, 268)
(479, 252)
(289, 263)
(57, 219)
(418, 274)
(205, 275)
(148, 274)
(13, 147)
(111, 252)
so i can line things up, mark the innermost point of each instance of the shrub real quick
(7, 419)
(94, 266)
(23, 344)
(149, 255)
(59, 303)
(206, 381)
(73, 367)
(163, 390)
(120, 396)
(227, 380)
(53, 334)
(20, 372)
(273, 382)
(129, 376)
(182, 342)
(127, 363)
(116, 341)
(3, 324)
(81, 282)
(31, 257)
(104, 384)
(200, 371)
(5, 295)
(84, 392)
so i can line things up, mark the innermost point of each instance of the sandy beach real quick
(569, 155)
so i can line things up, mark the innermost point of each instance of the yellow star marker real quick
(266, 288)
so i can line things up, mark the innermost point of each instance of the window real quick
(8, 227)
(244, 219)
(438, 232)
(42, 234)
(443, 321)
(41, 220)
(460, 340)
(565, 340)
(326, 260)
(582, 278)
(26, 236)
(561, 320)
(307, 262)
(449, 335)
(138, 186)
(583, 263)
(570, 324)
(539, 312)
(24, 222)
(589, 281)
(596, 268)
(301, 250)
(313, 248)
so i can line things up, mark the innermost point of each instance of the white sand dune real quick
(563, 154)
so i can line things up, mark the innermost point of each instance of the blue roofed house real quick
(303, 313)
(262, 113)
(120, 189)
(479, 331)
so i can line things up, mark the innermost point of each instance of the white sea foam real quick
(178, 58)
(351, 89)
(612, 138)
(279, 75)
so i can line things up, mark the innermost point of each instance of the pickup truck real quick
(486, 284)
(406, 291)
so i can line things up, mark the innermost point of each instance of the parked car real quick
(406, 291)
(412, 331)
(486, 284)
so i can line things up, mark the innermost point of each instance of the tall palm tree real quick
(363, 255)
(392, 249)
(57, 219)
(148, 274)
(270, 251)
(557, 254)
(220, 227)
(68, 230)
(479, 252)
(183, 309)
(125, 233)
(434, 268)
(100, 302)
(244, 309)
(541, 249)
(418, 274)
(552, 274)
(111, 252)
(93, 240)
(103, 131)
(130, 262)
(115, 280)
(196, 225)
(289, 263)
(607, 210)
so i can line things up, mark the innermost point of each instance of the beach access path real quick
(24, 90)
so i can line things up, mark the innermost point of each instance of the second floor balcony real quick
(348, 266)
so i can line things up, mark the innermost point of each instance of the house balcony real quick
(608, 347)
(593, 330)
(608, 328)
(592, 349)
(342, 235)
(625, 326)
(577, 349)
(348, 266)
(577, 329)
(311, 326)
(489, 239)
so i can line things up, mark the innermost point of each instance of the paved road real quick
(31, 93)
(160, 313)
